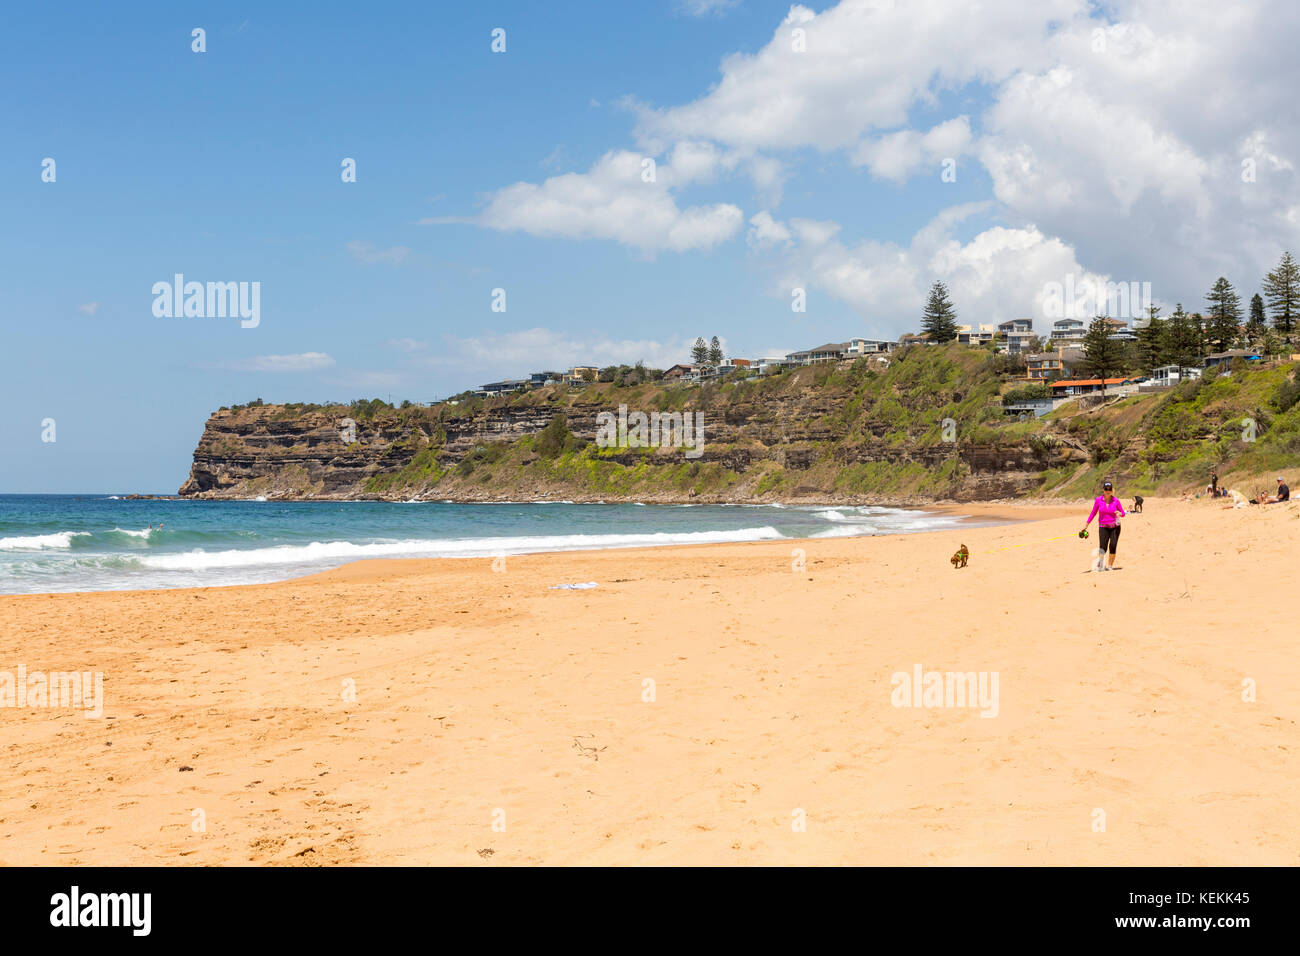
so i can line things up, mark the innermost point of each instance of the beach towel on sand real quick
(574, 587)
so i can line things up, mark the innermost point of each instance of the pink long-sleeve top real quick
(1106, 510)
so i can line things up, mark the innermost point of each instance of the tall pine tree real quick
(1151, 341)
(699, 352)
(1282, 290)
(1258, 321)
(715, 351)
(1182, 341)
(1198, 324)
(1103, 352)
(939, 318)
(1221, 326)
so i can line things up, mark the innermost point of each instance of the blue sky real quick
(225, 166)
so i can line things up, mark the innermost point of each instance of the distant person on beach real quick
(1108, 510)
(1213, 488)
(1283, 493)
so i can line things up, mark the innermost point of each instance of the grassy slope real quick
(1153, 443)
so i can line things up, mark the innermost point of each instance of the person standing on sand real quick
(1108, 510)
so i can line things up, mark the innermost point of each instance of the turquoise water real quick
(100, 543)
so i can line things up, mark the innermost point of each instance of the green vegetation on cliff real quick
(927, 422)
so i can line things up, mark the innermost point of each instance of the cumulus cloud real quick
(626, 197)
(765, 232)
(88, 308)
(897, 156)
(1002, 273)
(863, 65)
(1140, 132)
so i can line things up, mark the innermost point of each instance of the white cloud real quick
(897, 156)
(370, 254)
(515, 354)
(765, 232)
(301, 362)
(1000, 274)
(865, 65)
(1121, 128)
(621, 198)
(88, 308)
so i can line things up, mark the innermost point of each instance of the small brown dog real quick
(960, 558)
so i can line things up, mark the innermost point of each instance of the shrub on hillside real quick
(1027, 393)
(1287, 395)
(555, 439)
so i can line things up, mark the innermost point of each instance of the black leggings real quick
(1109, 538)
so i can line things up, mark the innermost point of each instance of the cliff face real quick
(798, 441)
(927, 426)
(253, 452)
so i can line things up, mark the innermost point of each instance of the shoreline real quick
(972, 516)
(388, 711)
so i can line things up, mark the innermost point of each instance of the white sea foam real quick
(59, 539)
(844, 531)
(134, 534)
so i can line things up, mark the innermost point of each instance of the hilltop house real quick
(1044, 366)
(538, 379)
(822, 354)
(1224, 358)
(1167, 376)
(975, 335)
(1083, 386)
(913, 339)
(1017, 334)
(731, 364)
(1068, 331)
(772, 364)
(1120, 330)
(679, 373)
(576, 378)
(856, 348)
(1041, 366)
(504, 387)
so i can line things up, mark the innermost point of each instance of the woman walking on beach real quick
(1108, 510)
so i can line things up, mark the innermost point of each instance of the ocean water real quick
(102, 543)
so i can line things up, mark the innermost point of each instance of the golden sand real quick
(496, 721)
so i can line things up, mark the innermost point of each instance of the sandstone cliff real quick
(928, 426)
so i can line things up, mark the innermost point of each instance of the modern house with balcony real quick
(1017, 334)
(856, 348)
(828, 353)
(1224, 358)
(1167, 376)
(975, 334)
(1068, 331)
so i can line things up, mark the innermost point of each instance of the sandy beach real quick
(718, 704)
